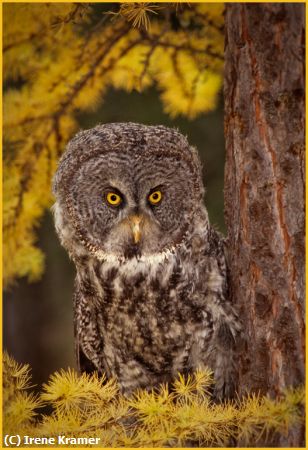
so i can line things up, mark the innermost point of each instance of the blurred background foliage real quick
(63, 71)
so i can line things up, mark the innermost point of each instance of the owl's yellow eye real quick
(155, 197)
(113, 198)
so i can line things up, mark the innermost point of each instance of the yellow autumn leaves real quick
(171, 416)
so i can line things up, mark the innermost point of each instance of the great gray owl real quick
(151, 286)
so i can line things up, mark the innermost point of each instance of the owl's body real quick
(151, 285)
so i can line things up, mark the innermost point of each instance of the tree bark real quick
(264, 191)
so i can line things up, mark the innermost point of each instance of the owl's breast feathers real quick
(144, 321)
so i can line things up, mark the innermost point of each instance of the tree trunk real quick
(264, 190)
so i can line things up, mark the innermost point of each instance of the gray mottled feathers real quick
(144, 310)
(125, 138)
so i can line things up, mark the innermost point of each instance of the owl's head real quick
(126, 190)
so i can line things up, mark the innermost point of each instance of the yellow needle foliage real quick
(179, 415)
(60, 59)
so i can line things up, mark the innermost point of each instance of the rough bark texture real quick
(264, 190)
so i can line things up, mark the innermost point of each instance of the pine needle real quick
(181, 414)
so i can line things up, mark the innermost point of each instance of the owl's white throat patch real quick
(154, 258)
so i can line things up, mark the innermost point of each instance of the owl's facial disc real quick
(127, 206)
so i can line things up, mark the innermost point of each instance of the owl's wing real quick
(83, 363)
(88, 342)
(227, 328)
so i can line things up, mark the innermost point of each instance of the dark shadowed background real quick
(38, 317)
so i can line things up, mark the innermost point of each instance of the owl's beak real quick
(135, 223)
